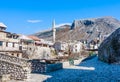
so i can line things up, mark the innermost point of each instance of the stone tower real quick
(54, 30)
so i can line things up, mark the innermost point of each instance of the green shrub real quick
(91, 53)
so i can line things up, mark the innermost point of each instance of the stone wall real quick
(38, 52)
(53, 67)
(40, 67)
(109, 50)
(15, 71)
(37, 66)
(17, 68)
(12, 59)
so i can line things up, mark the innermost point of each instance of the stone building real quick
(9, 42)
(61, 48)
(76, 47)
(23, 46)
(64, 47)
(25, 42)
(34, 48)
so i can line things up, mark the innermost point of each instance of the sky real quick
(31, 16)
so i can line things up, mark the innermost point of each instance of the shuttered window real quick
(1, 43)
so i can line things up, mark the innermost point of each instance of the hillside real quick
(85, 29)
(60, 32)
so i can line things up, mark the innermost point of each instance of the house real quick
(35, 39)
(94, 44)
(22, 46)
(62, 48)
(34, 48)
(9, 42)
(40, 42)
(25, 42)
(76, 47)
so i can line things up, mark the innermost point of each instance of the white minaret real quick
(54, 30)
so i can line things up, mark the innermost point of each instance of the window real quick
(20, 47)
(30, 48)
(15, 36)
(6, 44)
(9, 35)
(76, 50)
(13, 45)
(1, 43)
(76, 46)
(17, 55)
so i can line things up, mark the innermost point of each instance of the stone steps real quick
(17, 68)
(13, 59)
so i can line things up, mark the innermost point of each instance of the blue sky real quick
(31, 16)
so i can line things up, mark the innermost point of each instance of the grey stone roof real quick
(2, 25)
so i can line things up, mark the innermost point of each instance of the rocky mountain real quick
(85, 29)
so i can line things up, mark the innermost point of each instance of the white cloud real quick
(34, 21)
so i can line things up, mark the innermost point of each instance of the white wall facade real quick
(61, 46)
(77, 47)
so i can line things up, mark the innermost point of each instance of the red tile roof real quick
(34, 38)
